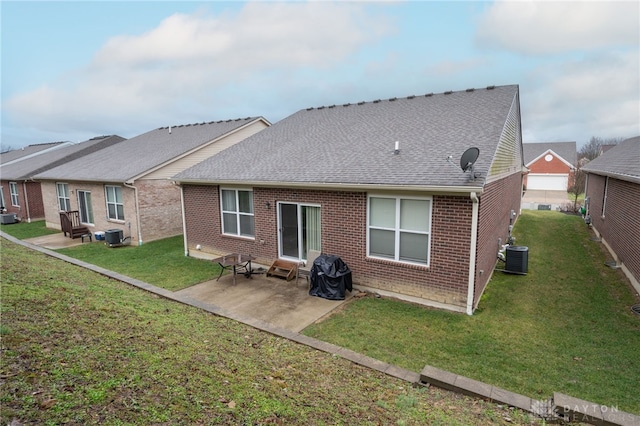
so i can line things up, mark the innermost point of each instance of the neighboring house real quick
(20, 193)
(376, 183)
(613, 204)
(8, 157)
(551, 165)
(127, 187)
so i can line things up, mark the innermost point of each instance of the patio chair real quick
(305, 269)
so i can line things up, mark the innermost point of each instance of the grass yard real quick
(80, 348)
(161, 263)
(566, 326)
(24, 230)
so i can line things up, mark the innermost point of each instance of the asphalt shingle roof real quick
(16, 154)
(566, 150)
(133, 157)
(354, 143)
(29, 167)
(621, 162)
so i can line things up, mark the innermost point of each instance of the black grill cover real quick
(330, 277)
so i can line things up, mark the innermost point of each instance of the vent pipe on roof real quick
(169, 129)
(396, 151)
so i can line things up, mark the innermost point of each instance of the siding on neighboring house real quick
(29, 197)
(98, 202)
(619, 227)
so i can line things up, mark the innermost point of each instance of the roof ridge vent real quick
(448, 92)
(376, 101)
(332, 106)
(471, 89)
(411, 97)
(392, 99)
(361, 103)
(491, 87)
(309, 109)
(346, 105)
(429, 95)
(321, 107)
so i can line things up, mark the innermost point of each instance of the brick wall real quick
(160, 209)
(29, 197)
(98, 201)
(620, 225)
(343, 216)
(496, 203)
(555, 166)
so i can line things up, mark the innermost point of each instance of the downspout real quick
(184, 222)
(472, 252)
(26, 201)
(138, 225)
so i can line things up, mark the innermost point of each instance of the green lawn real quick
(24, 230)
(566, 326)
(80, 348)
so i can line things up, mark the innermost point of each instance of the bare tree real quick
(593, 149)
(578, 185)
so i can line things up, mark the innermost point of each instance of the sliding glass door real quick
(299, 230)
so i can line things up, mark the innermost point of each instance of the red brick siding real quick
(31, 206)
(496, 203)
(555, 166)
(620, 226)
(344, 234)
(160, 209)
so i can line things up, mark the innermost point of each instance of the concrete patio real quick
(283, 304)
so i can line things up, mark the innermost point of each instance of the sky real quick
(73, 70)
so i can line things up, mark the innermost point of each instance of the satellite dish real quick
(469, 158)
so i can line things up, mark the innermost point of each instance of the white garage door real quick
(547, 182)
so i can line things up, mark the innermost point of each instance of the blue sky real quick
(75, 70)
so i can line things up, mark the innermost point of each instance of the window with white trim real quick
(115, 204)
(399, 228)
(13, 190)
(64, 202)
(237, 212)
(2, 205)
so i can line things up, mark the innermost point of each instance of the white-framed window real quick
(13, 190)
(399, 228)
(237, 212)
(64, 202)
(85, 207)
(115, 204)
(2, 204)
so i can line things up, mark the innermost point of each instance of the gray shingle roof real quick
(566, 150)
(621, 162)
(354, 143)
(138, 155)
(30, 167)
(30, 150)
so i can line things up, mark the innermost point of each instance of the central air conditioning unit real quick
(7, 218)
(113, 236)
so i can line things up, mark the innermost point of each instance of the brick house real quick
(127, 187)
(378, 184)
(613, 204)
(551, 165)
(20, 193)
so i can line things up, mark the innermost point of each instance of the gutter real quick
(138, 225)
(26, 200)
(184, 222)
(472, 252)
(338, 186)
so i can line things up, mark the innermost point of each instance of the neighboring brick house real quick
(378, 184)
(613, 204)
(551, 165)
(127, 187)
(20, 193)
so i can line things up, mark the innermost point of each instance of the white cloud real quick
(189, 66)
(542, 27)
(598, 95)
